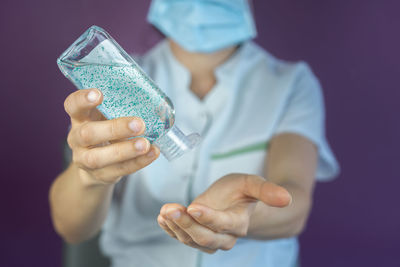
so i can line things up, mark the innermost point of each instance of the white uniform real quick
(255, 98)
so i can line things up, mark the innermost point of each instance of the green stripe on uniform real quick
(242, 150)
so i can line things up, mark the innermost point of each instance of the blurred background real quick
(352, 46)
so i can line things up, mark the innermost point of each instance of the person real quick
(243, 195)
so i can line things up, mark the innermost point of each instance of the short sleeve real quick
(304, 114)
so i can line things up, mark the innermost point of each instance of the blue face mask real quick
(203, 25)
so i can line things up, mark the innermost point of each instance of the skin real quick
(81, 195)
(237, 205)
(242, 205)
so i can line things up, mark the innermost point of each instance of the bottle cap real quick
(174, 143)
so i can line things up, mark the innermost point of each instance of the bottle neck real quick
(174, 143)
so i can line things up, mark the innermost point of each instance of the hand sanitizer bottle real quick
(95, 60)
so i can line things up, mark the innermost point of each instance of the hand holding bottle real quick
(101, 148)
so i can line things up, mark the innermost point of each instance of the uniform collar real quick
(226, 75)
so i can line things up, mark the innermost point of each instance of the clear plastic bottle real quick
(95, 60)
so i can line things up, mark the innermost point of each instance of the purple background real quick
(352, 47)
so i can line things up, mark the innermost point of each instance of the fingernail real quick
(93, 95)
(140, 145)
(195, 213)
(175, 214)
(135, 126)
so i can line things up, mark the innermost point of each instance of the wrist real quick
(88, 180)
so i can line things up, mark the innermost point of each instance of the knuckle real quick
(226, 226)
(113, 128)
(101, 176)
(85, 134)
(207, 221)
(205, 242)
(70, 140)
(187, 240)
(243, 226)
(229, 245)
(124, 168)
(67, 105)
(185, 223)
(174, 227)
(140, 163)
(242, 232)
(192, 244)
(244, 229)
(127, 168)
(98, 174)
(90, 161)
(116, 152)
(211, 251)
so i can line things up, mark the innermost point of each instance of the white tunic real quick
(255, 98)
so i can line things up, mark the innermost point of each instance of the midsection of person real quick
(233, 143)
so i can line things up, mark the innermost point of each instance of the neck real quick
(201, 66)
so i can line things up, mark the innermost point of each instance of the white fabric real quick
(255, 98)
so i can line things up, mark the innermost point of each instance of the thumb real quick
(271, 194)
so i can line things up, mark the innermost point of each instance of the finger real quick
(98, 132)
(100, 157)
(185, 238)
(162, 223)
(171, 207)
(200, 235)
(108, 174)
(227, 221)
(271, 194)
(181, 235)
(79, 104)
